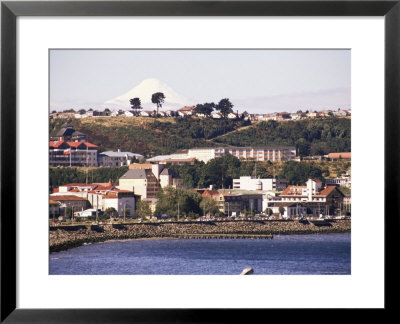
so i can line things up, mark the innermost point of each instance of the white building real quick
(252, 183)
(110, 158)
(271, 153)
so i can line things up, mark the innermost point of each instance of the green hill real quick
(149, 136)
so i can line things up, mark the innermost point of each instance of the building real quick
(63, 153)
(271, 153)
(343, 181)
(186, 111)
(341, 155)
(68, 133)
(70, 201)
(116, 159)
(235, 202)
(145, 179)
(252, 183)
(319, 199)
(98, 196)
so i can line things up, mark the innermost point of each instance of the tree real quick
(82, 111)
(205, 109)
(268, 211)
(136, 105)
(209, 206)
(281, 210)
(143, 209)
(158, 99)
(110, 212)
(225, 107)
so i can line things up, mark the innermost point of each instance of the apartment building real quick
(252, 183)
(63, 153)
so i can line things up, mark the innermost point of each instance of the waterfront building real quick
(97, 195)
(252, 183)
(325, 200)
(116, 159)
(72, 201)
(235, 202)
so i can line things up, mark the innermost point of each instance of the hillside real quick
(149, 136)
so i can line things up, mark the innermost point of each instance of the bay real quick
(316, 254)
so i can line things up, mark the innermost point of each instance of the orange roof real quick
(326, 191)
(56, 143)
(77, 144)
(187, 108)
(53, 202)
(341, 155)
(208, 193)
(67, 197)
(293, 190)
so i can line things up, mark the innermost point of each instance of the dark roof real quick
(135, 174)
(169, 172)
(65, 132)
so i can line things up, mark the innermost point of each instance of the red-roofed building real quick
(72, 153)
(325, 200)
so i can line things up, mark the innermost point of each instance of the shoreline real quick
(66, 237)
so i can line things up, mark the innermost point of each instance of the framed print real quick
(61, 58)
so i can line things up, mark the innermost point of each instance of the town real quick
(151, 189)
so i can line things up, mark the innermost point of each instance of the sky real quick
(256, 81)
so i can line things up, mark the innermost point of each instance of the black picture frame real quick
(10, 10)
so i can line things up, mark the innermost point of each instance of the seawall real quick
(65, 237)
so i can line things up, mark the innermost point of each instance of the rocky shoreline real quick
(65, 237)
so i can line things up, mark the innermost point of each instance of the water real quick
(317, 254)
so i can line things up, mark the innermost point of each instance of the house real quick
(97, 195)
(186, 111)
(216, 115)
(146, 113)
(68, 133)
(128, 114)
(110, 158)
(319, 199)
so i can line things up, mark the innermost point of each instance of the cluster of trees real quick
(219, 172)
(224, 106)
(60, 176)
(310, 136)
(156, 98)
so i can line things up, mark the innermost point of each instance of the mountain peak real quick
(144, 90)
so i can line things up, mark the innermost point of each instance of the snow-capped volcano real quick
(144, 91)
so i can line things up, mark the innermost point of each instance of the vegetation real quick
(61, 176)
(149, 136)
(143, 209)
(178, 202)
(158, 99)
(310, 136)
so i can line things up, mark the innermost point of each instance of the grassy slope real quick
(149, 136)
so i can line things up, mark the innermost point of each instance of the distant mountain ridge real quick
(144, 91)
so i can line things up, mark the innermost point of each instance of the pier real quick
(223, 236)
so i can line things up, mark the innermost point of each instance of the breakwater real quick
(65, 237)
